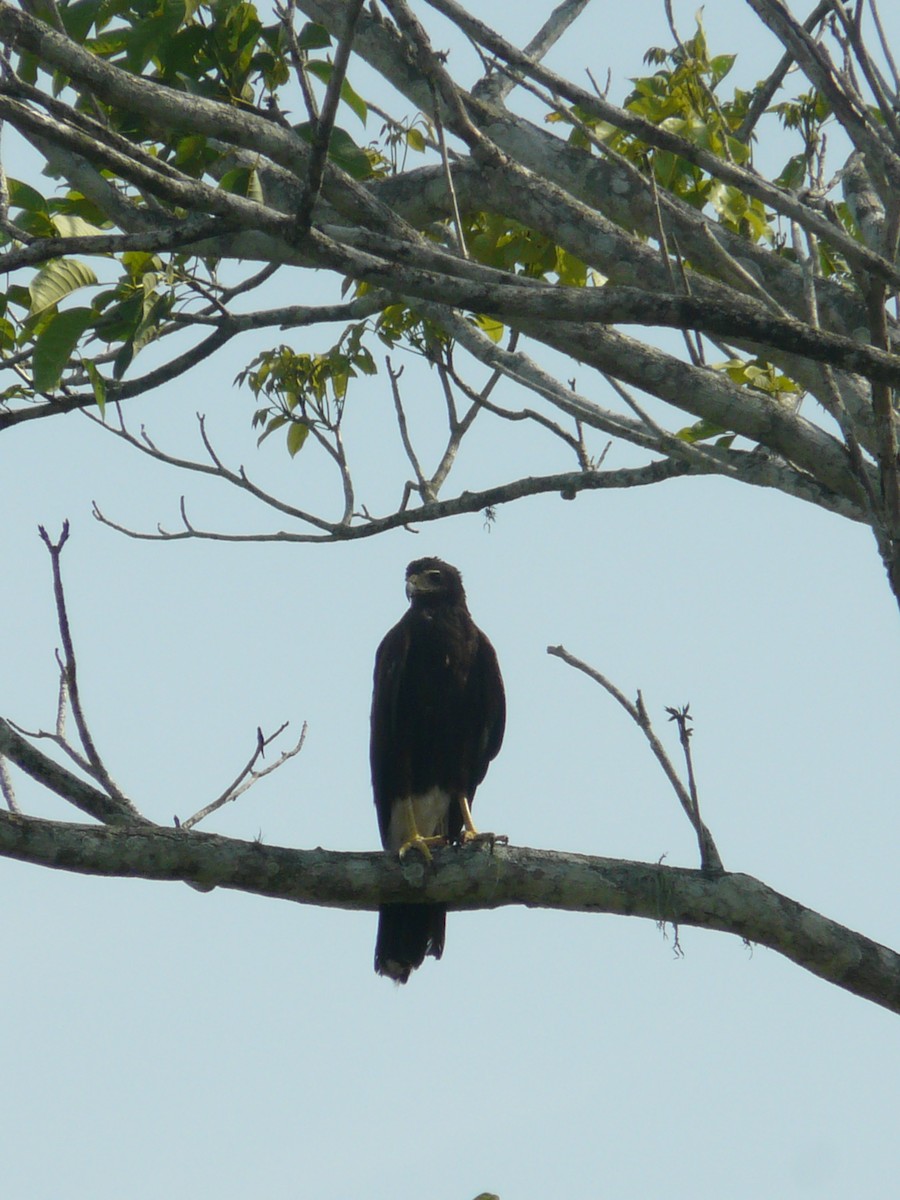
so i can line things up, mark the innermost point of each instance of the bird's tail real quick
(406, 933)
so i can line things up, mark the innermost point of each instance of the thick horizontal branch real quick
(474, 878)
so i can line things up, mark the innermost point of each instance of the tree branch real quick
(710, 861)
(62, 782)
(471, 880)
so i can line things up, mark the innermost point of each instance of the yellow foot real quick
(422, 844)
(471, 837)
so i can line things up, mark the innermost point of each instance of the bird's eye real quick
(434, 575)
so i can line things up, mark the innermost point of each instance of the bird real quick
(438, 718)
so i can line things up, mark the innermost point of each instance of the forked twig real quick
(69, 679)
(108, 805)
(248, 776)
(710, 860)
(421, 485)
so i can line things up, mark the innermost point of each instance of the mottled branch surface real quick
(470, 879)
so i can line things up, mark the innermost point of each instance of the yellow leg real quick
(412, 839)
(470, 834)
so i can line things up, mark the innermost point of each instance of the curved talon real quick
(422, 844)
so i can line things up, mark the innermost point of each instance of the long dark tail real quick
(406, 933)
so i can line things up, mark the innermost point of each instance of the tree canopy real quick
(468, 233)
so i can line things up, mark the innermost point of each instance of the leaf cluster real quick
(304, 391)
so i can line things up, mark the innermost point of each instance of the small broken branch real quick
(710, 861)
(248, 776)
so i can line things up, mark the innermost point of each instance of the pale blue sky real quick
(159, 1042)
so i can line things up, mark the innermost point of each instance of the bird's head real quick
(431, 581)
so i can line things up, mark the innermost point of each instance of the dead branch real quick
(709, 855)
(92, 762)
(248, 775)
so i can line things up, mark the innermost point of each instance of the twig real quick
(238, 479)
(421, 484)
(70, 668)
(709, 855)
(496, 87)
(285, 14)
(448, 180)
(242, 783)
(764, 96)
(683, 719)
(61, 782)
(695, 351)
(870, 70)
(325, 124)
(458, 428)
(62, 702)
(444, 88)
(525, 414)
(885, 45)
(58, 739)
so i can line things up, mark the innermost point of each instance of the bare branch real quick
(95, 764)
(248, 775)
(238, 479)
(567, 485)
(421, 485)
(766, 91)
(709, 855)
(497, 86)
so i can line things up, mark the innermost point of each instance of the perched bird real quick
(438, 714)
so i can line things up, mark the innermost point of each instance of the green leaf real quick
(98, 383)
(153, 309)
(415, 140)
(275, 423)
(699, 432)
(296, 436)
(58, 279)
(721, 65)
(54, 345)
(21, 195)
(324, 71)
(243, 181)
(348, 156)
(493, 329)
(71, 225)
(78, 18)
(313, 37)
